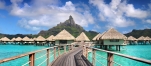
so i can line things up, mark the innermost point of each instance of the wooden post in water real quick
(48, 50)
(64, 48)
(93, 57)
(32, 59)
(116, 48)
(58, 50)
(109, 59)
(87, 52)
(84, 50)
(71, 46)
(54, 52)
(119, 47)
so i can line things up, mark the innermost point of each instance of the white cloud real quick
(148, 21)
(118, 13)
(47, 13)
(136, 13)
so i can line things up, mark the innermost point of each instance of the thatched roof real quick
(100, 35)
(141, 38)
(82, 37)
(18, 39)
(40, 38)
(13, 39)
(95, 38)
(5, 39)
(27, 39)
(113, 34)
(50, 38)
(147, 38)
(64, 35)
(131, 38)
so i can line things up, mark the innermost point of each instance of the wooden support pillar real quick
(110, 46)
(58, 50)
(65, 49)
(71, 46)
(55, 52)
(119, 47)
(32, 59)
(87, 52)
(105, 47)
(109, 59)
(93, 57)
(116, 47)
(48, 51)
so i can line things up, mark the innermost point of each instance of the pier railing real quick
(54, 53)
(110, 58)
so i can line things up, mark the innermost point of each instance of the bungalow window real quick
(63, 41)
(114, 40)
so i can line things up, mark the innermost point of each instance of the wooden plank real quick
(72, 58)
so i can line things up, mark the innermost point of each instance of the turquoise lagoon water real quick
(141, 51)
(7, 51)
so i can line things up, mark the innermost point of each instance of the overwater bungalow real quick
(113, 38)
(5, 40)
(40, 40)
(64, 37)
(96, 39)
(18, 40)
(27, 40)
(50, 40)
(131, 40)
(146, 40)
(140, 40)
(82, 38)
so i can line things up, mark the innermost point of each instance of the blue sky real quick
(32, 16)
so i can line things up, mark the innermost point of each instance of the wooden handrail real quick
(22, 55)
(31, 55)
(123, 55)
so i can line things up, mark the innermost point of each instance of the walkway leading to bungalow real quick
(72, 58)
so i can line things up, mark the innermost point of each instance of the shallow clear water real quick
(140, 51)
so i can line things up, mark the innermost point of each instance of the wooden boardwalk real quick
(72, 58)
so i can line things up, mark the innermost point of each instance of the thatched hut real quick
(13, 39)
(27, 40)
(140, 40)
(147, 40)
(113, 37)
(40, 40)
(64, 37)
(94, 39)
(131, 40)
(82, 38)
(5, 40)
(18, 39)
(50, 38)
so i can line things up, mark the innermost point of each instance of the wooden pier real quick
(73, 56)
